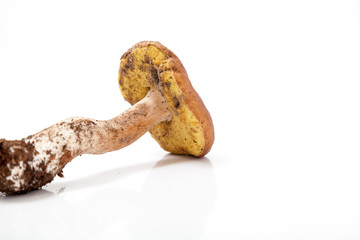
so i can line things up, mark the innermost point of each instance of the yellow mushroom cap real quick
(150, 64)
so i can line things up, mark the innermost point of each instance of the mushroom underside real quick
(147, 66)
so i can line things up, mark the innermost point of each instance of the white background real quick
(280, 78)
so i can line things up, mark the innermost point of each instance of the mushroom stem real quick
(32, 162)
(97, 137)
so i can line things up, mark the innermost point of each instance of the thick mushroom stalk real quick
(34, 161)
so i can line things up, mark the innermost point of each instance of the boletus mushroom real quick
(164, 103)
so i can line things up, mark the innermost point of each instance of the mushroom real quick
(163, 101)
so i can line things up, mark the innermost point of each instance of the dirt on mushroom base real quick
(16, 171)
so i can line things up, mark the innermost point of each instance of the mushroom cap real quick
(150, 64)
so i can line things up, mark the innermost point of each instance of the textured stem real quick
(32, 162)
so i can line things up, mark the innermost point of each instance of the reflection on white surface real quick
(177, 209)
(174, 202)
